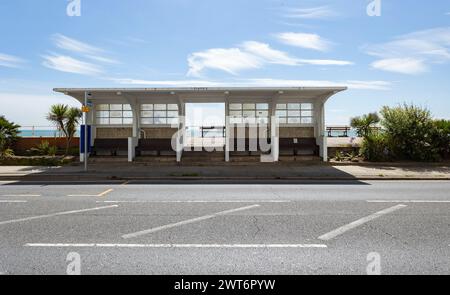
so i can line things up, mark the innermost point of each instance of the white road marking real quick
(408, 201)
(21, 196)
(13, 201)
(99, 195)
(178, 245)
(200, 201)
(56, 214)
(160, 228)
(354, 224)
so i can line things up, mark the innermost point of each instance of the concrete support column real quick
(274, 131)
(324, 135)
(227, 132)
(181, 134)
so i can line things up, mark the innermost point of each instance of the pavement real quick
(164, 227)
(235, 171)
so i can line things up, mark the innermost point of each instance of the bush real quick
(441, 137)
(409, 131)
(375, 148)
(9, 133)
(44, 149)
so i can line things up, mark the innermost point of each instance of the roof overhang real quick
(201, 94)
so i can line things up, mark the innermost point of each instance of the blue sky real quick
(401, 56)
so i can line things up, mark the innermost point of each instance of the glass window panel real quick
(127, 120)
(293, 120)
(281, 106)
(236, 113)
(293, 113)
(102, 114)
(263, 120)
(160, 120)
(115, 107)
(235, 106)
(115, 114)
(307, 113)
(147, 121)
(172, 107)
(262, 106)
(127, 107)
(103, 107)
(307, 106)
(282, 120)
(160, 107)
(307, 120)
(172, 114)
(294, 106)
(172, 121)
(103, 121)
(249, 106)
(160, 114)
(262, 113)
(147, 114)
(248, 114)
(281, 113)
(147, 107)
(127, 114)
(115, 121)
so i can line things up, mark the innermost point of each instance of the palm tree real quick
(364, 125)
(67, 119)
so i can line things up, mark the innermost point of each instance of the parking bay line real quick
(354, 224)
(193, 220)
(21, 196)
(176, 245)
(99, 195)
(56, 214)
(13, 201)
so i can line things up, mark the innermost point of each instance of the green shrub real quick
(409, 132)
(441, 137)
(9, 133)
(365, 125)
(44, 149)
(374, 148)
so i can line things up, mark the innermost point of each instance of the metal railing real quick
(41, 131)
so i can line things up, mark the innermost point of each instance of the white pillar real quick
(324, 135)
(181, 130)
(227, 133)
(274, 132)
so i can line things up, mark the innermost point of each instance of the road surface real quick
(196, 228)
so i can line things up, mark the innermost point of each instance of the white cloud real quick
(230, 60)
(76, 46)
(401, 65)
(352, 84)
(250, 55)
(70, 65)
(413, 53)
(268, 54)
(70, 44)
(319, 12)
(10, 61)
(304, 40)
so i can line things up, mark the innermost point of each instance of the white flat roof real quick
(205, 93)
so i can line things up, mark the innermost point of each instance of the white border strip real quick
(56, 214)
(13, 201)
(354, 224)
(193, 220)
(407, 201)
(176, 245)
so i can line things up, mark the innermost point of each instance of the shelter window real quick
(295, 113)
(113, 114)
(159, 114)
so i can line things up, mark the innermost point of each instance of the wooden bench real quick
(110, 146)
(298, 146)
(343, 129)
(254, 142)
(157, 145)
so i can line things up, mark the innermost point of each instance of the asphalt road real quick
(197, 228)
